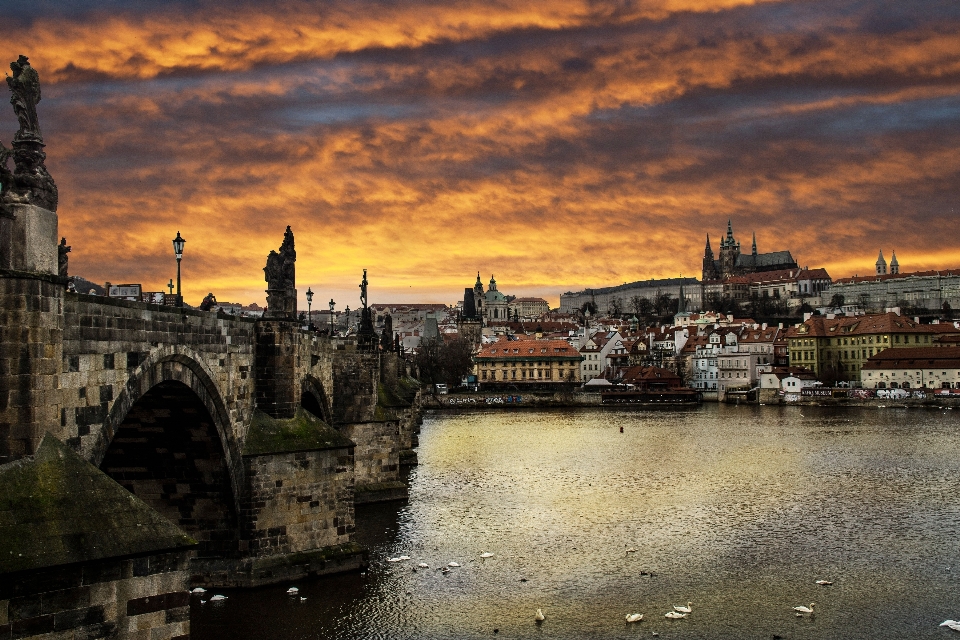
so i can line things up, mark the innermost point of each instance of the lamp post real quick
(332, 305)
(309, 317)
(178, 243)
(348, 319)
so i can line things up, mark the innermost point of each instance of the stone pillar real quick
(31, 330)
(278, 390)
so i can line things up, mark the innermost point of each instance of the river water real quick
(739, 510)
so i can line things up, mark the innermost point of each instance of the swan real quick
(674, 615)
(948, 623)
(217, 598)
(635, 617)
(423, 565)
(802, 609)
(393, 559)
(293, 591)
(403, 558)
(540, 617)
(683, 609)
(486, 555)
(453, 564)
(199, 590)
(824, 583)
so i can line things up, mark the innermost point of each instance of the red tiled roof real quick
(526, 349)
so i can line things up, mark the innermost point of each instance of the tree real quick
(804, 308)
(947, 311)
(661, 302)
(642, 307)
(837, 300)
(444, 362)
(616, 306)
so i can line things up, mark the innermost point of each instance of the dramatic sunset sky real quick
(555, 145)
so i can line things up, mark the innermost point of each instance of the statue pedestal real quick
(281, 304)
(28, 241)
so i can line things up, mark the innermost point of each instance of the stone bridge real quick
(145, 449)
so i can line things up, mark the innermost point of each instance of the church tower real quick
(709, 265)
(881, 265)
(894, 265)
(729, 252)
(754, 250)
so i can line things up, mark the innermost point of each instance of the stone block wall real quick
(377, 452)
(143, 598)
(31, 327)
(106, 340)
(355, 381)
(278, 347)
(298, 501)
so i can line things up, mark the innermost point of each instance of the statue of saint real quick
(363, 290)
(62, 259)
(25, 87)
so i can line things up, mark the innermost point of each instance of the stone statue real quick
(209, 302)
(363, 290)
(62, 251)
(30, 183)
(25, 87)
(280, 274)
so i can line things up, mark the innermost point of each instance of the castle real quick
(731, 262)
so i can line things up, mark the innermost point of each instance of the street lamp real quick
(309, 300)
(348, 319)
(178, 243)
(332, 305)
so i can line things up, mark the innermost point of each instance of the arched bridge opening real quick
(167, 452)
(314, 400)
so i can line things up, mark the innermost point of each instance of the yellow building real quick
(837, 348)
(527, 361)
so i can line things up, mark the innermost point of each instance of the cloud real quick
(554, 147)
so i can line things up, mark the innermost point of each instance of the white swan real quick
(199, 590)
(635, 617)
(674, 615)
(293, 591)
(683, 609)
(540, 617)
(486, 555)
(948, 623)
(217, 598)
(803, 609)
(453, 564)
(824, 583)
(423, 565)
(403, 558)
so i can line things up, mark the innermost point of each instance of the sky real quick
(554, 145)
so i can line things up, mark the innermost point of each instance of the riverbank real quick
(545, 400)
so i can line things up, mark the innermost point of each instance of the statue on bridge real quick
(280, 274)
(366, 334)
(29, 183)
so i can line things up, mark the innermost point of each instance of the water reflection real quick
(737, 509)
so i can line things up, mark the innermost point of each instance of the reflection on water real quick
(737, 509)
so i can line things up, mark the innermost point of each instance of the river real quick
(739, 510)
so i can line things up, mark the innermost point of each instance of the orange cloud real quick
(575, 160)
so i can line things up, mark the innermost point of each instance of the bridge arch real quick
(314, 399)
(168, 438)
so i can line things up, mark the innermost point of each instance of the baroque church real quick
(731, 262)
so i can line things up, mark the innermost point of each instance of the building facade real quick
(912, 368)
(527, 362)
(836, 348)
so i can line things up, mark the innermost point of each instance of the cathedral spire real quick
(894, 265)
(754, 243)
(708, 252)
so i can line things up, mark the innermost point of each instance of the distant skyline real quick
(555, 145)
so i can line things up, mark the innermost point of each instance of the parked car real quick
(441, 389)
